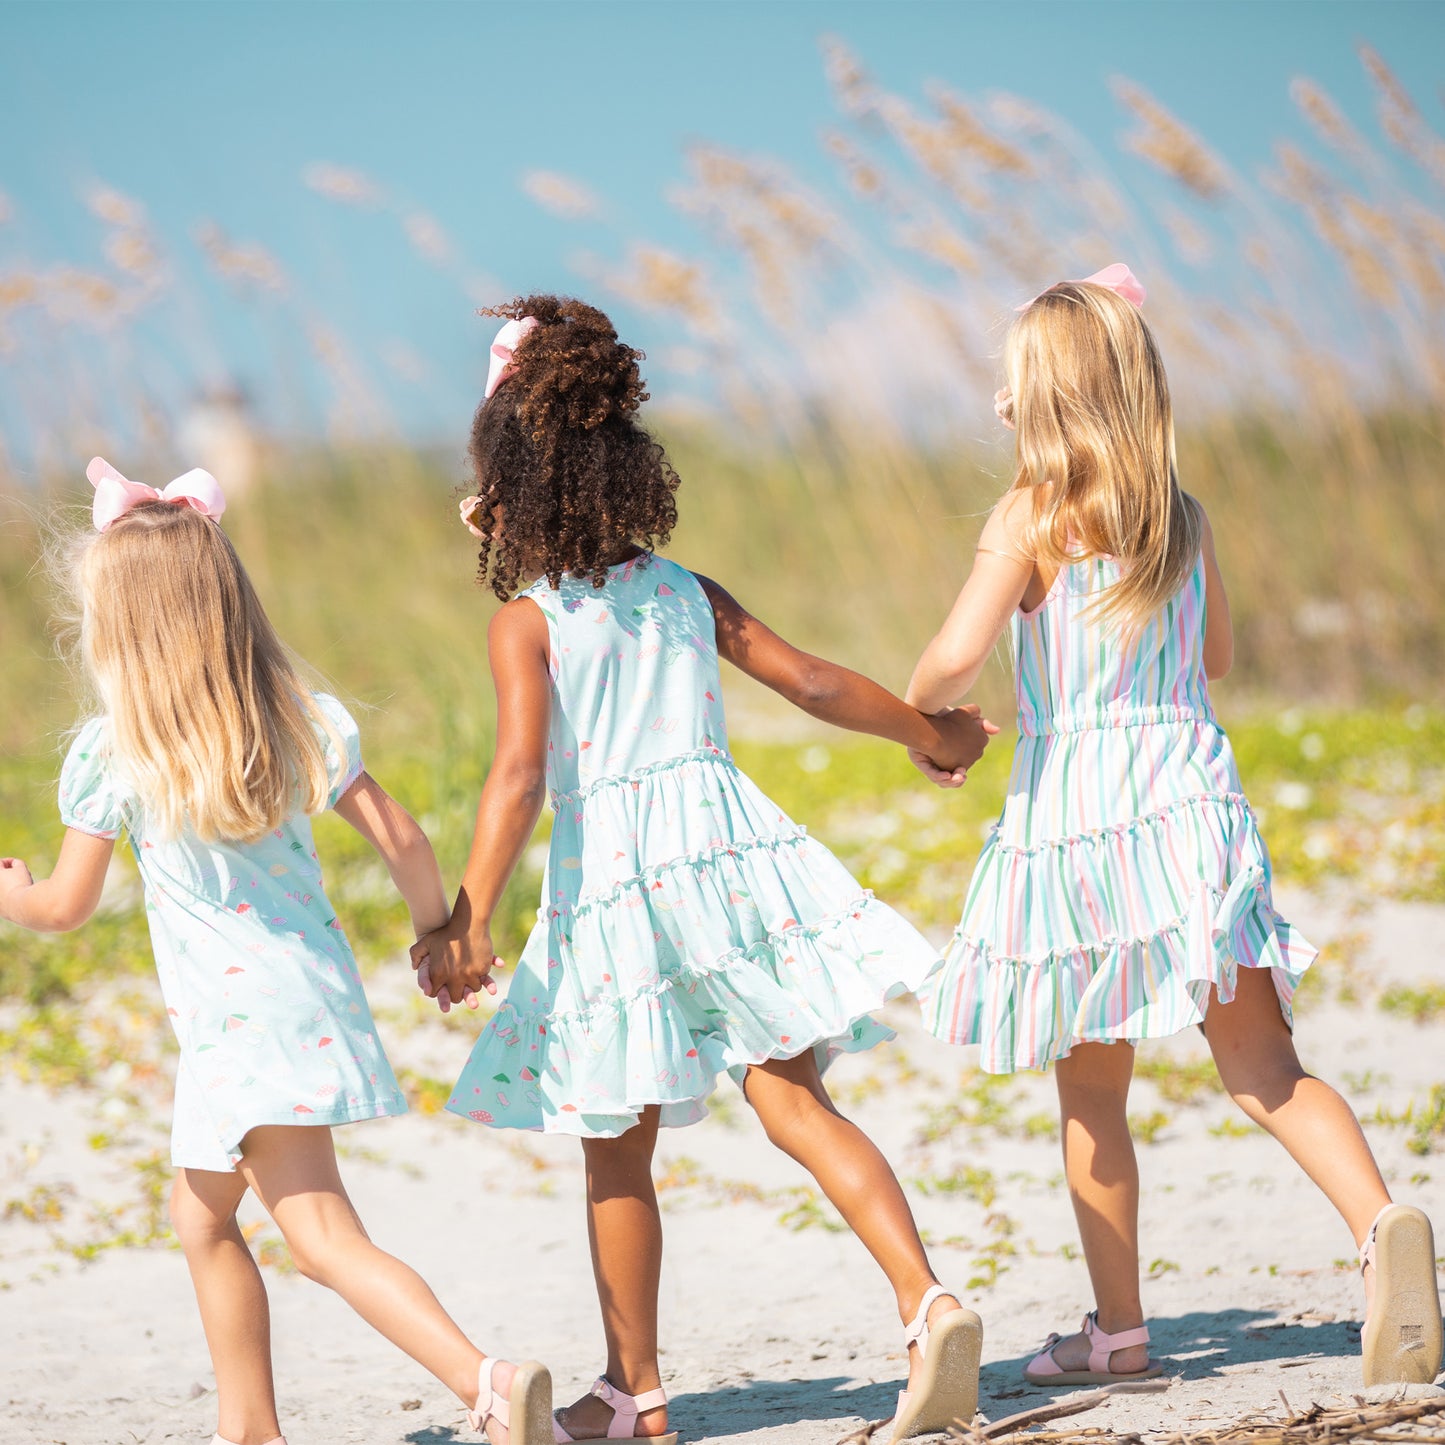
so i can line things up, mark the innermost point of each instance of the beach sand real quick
(776, 1326)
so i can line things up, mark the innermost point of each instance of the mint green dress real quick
(258, 979)
(687, 926)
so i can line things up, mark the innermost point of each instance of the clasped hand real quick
(454, 965)
(966, 733)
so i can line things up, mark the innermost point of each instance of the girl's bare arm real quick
(952, 662)
(455, 961)
(404, 848)
(834, 694)
(68, 897)
(1218, 629)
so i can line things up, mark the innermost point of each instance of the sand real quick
(776, 1326)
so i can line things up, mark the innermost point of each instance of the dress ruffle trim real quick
(701, 862)
(617, 781)
(1235, 806)
(589, 1071)
(1028, 1011)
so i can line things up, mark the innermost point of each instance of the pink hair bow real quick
(1117, 278)
(504, 344)
(115, 495)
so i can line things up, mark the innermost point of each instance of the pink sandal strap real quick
(626, 1408)
(1044, 1362)
(1102, 1345)
(1367, 1249)
(490, 1405)
(916, 1331)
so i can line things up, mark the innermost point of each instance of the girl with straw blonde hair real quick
(1125, 892)
(211, 755)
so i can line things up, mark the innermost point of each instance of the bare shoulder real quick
(1010, 526)
(721, 600)
(1206, 532)
(518, 623)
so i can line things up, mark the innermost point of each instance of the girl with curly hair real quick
(688, 926)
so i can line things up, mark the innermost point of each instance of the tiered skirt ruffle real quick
(711, 933)
(1115, 933)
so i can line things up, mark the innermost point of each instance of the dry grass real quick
(1408, 1422)
(842, 498)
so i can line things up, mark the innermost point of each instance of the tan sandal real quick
(947, 1389)
(1401, 1342)
(525, 1412)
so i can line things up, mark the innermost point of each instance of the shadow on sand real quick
(1192, 1346)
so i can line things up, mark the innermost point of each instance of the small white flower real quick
(1295, 797)
(816, 759)
(1291, 720)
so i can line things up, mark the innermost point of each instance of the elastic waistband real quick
(1137, 717)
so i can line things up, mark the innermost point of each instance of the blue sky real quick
(213, 110)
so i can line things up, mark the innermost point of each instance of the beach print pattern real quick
(258, 979)
(1126, 875)
(687, 926)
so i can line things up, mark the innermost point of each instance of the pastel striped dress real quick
(1126, 874)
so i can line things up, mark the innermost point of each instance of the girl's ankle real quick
(1117, 1322)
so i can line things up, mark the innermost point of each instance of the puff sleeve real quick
(343, 763)
(89, 799)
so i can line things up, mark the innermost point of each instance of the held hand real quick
(1003, 406)
(453, 964)
(965, 733)
(14, 876)
(939, 776)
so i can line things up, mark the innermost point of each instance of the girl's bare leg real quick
(1103, 1177)
(232, 1301)
(624, 1227)
(292, 1171)
(1255, 1055)
(801, 1119)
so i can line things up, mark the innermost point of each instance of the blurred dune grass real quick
(838, 486)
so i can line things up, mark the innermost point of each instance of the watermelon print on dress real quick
(259, 981)
(688, 927)
(1126, 875)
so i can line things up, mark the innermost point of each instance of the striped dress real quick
(1126, 875)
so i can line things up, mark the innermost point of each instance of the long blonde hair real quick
(211, 725)
(1096, 446)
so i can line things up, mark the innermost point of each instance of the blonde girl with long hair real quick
(1124, 893)
(211, 754)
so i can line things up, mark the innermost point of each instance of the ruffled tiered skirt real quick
(688, 928)
(1124, 881)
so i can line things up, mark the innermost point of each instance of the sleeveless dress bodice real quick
(1125, 877)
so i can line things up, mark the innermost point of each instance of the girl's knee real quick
(1260, 1092)
(787, 1114)
(196, 1222)
(318, 1251)
(311, 1263)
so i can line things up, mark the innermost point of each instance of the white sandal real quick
(947, 1390)
(1401, 1341)
(625, 1410)
(525, 1412)
(1046, 1372)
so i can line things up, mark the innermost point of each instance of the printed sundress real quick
(1126, 875)
(688, 927)
(259, 982)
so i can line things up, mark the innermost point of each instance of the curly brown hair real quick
(568, 479)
